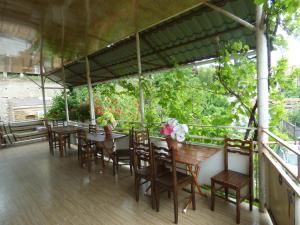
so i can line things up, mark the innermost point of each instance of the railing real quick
(282, 180)
(197, 133)
(288, 147)
(291, 129)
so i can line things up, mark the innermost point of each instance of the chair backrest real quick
(142, 136)
(58, 123)
(49, 131)
(141, 155)
(242, 147)
(1, 139)
(109, 145)
(164, 158)
(92, 128)
(81, 137)
(131, 138)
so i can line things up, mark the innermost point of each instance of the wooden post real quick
(65, 91)
(141, 96)
(42, 75)
(90, 89)
(263, 99)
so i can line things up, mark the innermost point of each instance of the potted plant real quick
(174, 132)
(107, 120)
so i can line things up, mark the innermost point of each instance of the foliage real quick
(294, 117)
(78, 108)
(106, 118)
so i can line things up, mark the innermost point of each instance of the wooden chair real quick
(142, 168)
(2, 140)
(92, 128)
(236, 181)
(170, 180)
(86, 152)
(108, 149)
(125, 155)
(52, 139)
(58, 123)
(141, 136)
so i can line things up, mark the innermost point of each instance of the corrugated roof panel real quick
(189, 37)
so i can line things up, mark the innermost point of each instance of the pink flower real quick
(166, 130)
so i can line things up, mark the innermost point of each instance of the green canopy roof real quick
(191, 36)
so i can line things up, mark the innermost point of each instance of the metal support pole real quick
(90, 89)
(65, 90)
(138, 54)
(42, 75)
(263, 99)
(230, 15)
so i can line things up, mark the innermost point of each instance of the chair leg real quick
(212, 206)
(226, 193)
(131, 162)
(95, 158)
(175, 206)
(152, 195)
(113, 157)
(89, 162)
(156, 198)
(82, 159)
(102, 158)
(78, 152)
(238, 202)
(130, 166)
(250, 196)
(69, 141)
(193, 195)
(137, 187)
(117, 164)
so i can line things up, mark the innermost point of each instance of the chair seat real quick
(92, 148)
(123, 153)
(232, 179)
(166, 179)
(144, 171)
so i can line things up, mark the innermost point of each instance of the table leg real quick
(194, 170)
(61, 149)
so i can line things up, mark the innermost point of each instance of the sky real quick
(292, 52)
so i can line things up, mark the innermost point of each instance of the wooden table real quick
(62, 132)
(100, 137)
(192, 155)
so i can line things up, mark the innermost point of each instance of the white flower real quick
(179, 130)
(173, 135)
(172, 122)
(185, 127)
(180, 138)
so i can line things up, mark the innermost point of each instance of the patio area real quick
(37, 188)
(78, 44)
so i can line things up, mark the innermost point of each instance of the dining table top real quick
(192, 154)
(100, 136)
(66, 129)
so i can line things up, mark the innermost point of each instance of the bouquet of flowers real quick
(107, 119)
(174, 129)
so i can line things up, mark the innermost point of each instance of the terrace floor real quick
(39, 189)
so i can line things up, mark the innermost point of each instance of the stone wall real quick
(4, 114)
(22, 88)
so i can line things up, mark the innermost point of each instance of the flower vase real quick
(107, 130)
(172, 144)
